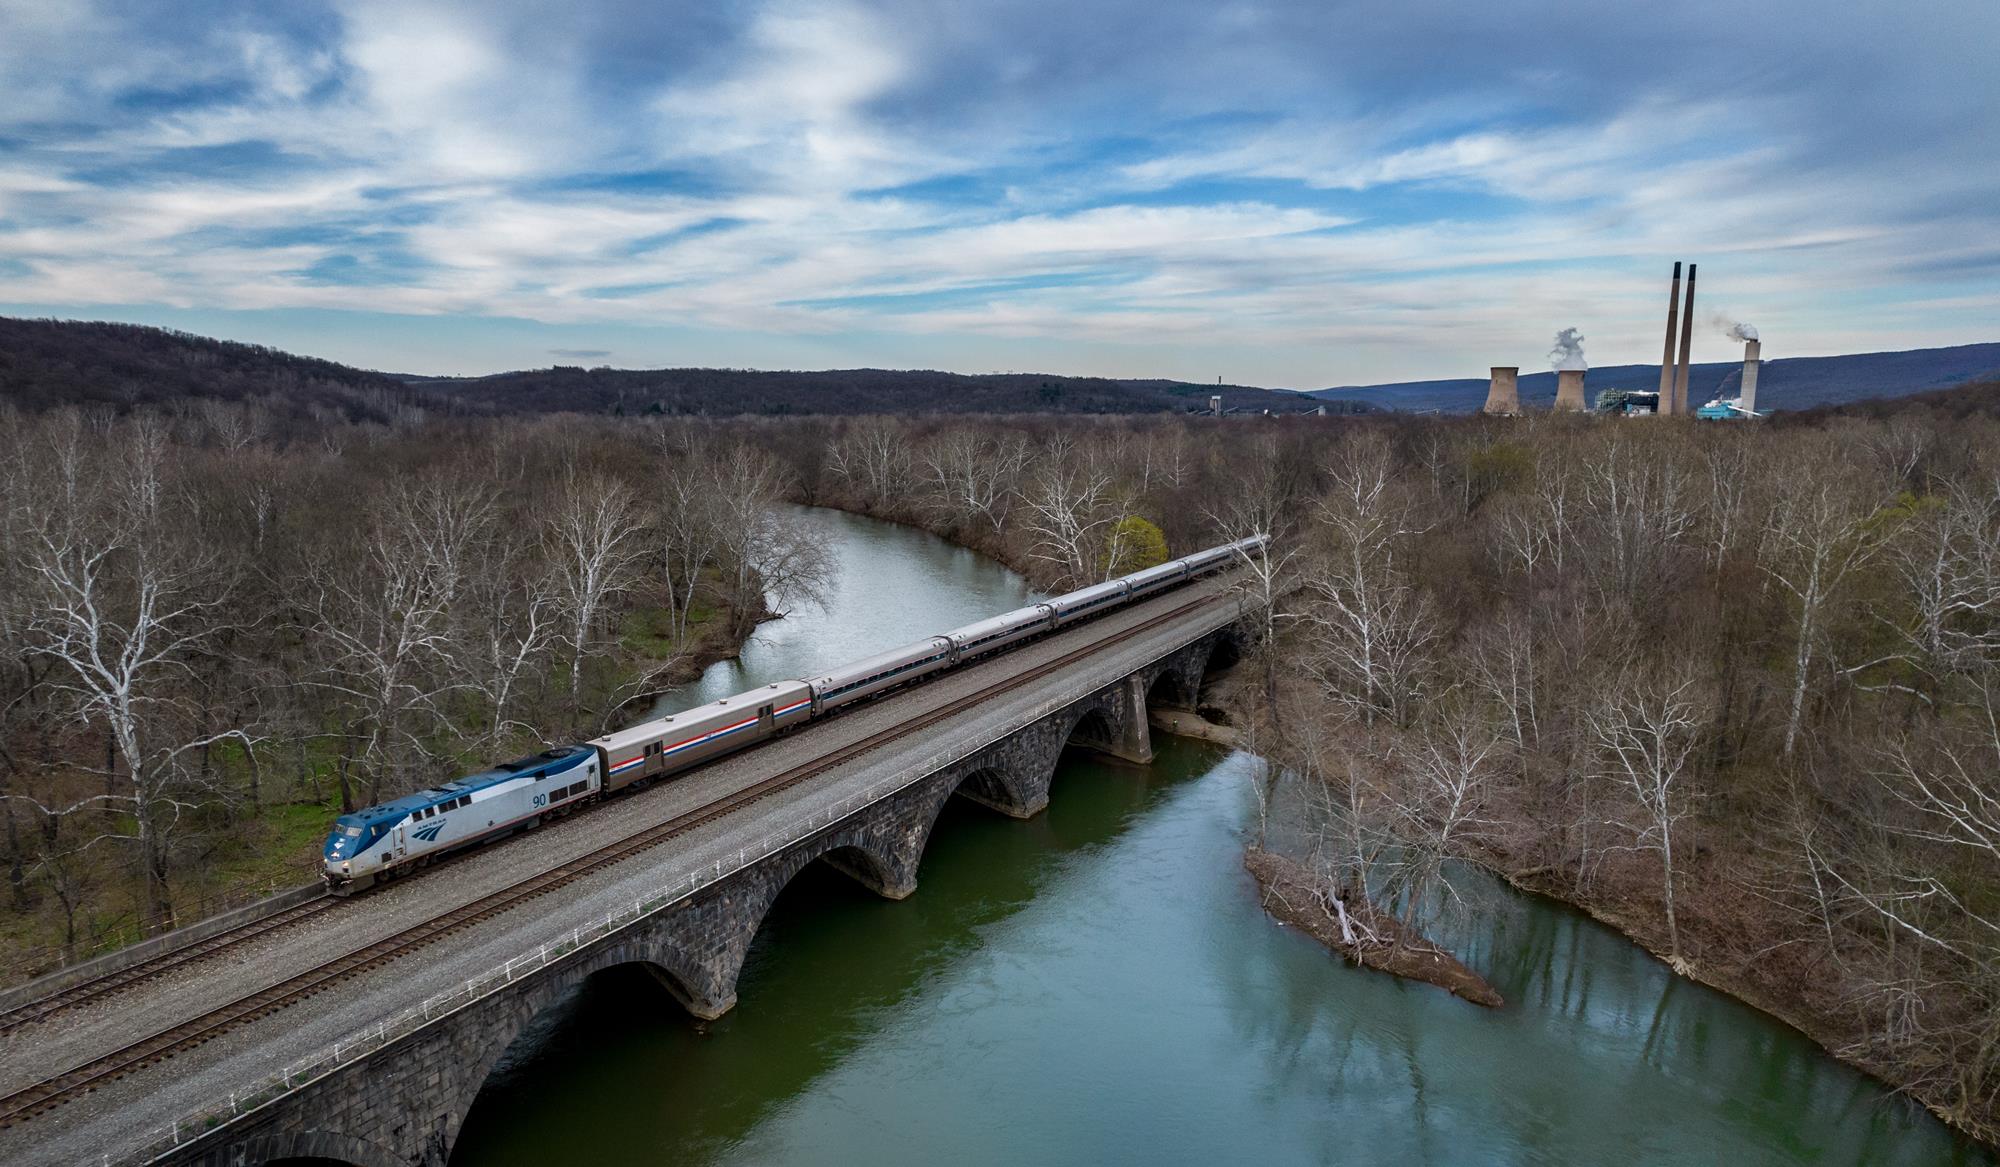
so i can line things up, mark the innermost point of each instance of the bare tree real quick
(1646, 730)
(689, 528)
(975, 476)
(594, 526)
(872, 458)
(1820, 534)
(123, 603)
(382, 624)
(1371, 630)
(1069, 509)
(1440, 798)
(1639, 509)
(764, 554)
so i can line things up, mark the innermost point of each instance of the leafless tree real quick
(122, 604)
(383, 625)
(1371, 630)
(1069, 509)
(1431, 791)
(975, 475)
(1819, 534)
(1646, 730)
(762, 552)
(594, 526)
(872, 458)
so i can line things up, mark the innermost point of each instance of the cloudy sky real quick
(1299, 194)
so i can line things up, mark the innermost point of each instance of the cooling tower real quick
(1503, 396)
(1569, 389)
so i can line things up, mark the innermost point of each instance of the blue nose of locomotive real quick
(345, 838)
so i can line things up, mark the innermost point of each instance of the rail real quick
(305, 1072)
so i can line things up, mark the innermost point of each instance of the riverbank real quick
(1358, 930)
(1725, 932)
(711, 644)
(1286, 885)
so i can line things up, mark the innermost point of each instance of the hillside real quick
(1786, 384)
(45, 363)
(722, 392)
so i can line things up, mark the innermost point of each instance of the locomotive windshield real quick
(350, 835)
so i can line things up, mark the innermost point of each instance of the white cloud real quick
(450, 156)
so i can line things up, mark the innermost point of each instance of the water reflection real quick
(891, 585)
(1097, 986)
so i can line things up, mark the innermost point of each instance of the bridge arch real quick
(993, 785)
(1175, 686)
(317, 1148)
(504, 1031)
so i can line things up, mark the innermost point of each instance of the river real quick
(1098, 986)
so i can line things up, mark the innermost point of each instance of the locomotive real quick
(382, 841)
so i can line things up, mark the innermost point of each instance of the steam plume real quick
(1742, 331)
(1568, 353)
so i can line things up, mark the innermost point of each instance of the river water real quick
(1098, 986)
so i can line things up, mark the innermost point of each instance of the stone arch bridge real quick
(402, 1104)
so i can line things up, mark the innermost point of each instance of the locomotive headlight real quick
(343, 866)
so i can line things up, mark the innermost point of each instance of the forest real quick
(50, 363)
(1734, 688)
(217, 639)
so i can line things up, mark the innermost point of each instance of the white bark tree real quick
(384, 627)
(1371, 631)
(1819, 535)
(122, 603)
(1646, 730)
(1069, 511)
(594, 526)
(973, 476)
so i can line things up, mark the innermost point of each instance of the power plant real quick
(1678, 406)
(1503, 393)
(1667, 358)
(1569, 391)
(1744, 404)
(1567, 357)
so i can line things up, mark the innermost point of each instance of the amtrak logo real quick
(429, 834)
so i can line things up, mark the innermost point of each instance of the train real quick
(381, 842)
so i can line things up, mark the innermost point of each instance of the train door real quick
(396, 843)
(765, 718)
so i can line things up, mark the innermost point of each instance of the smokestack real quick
(1687, 342)
(1503, 395)
(1753, 359)
(1569, 389)
(1667, 359)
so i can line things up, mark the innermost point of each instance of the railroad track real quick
(84, 992)
(52, 1092)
